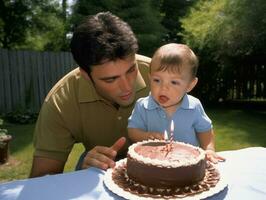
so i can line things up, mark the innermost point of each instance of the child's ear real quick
(192, 84)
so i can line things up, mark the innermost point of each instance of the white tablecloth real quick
(244, 170)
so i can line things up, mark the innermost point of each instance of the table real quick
(244, 170)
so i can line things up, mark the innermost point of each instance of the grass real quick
(234, 129)
(21, 151)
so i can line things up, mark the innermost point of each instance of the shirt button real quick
(119, 117)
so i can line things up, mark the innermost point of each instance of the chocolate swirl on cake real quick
(121, 178)
(152, 170)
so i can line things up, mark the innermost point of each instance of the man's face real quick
(115, 80)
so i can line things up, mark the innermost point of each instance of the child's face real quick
(168, 88)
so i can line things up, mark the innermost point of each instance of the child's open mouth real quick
(163, 99)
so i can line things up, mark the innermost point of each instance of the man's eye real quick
(110, 80)
(132, 69)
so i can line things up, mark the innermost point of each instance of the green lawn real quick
(21, 150)
(234, 129)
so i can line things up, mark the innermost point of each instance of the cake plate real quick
(112, 186)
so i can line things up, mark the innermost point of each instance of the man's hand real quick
(213, 157)
(103, 157)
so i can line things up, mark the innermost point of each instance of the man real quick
(92, 103)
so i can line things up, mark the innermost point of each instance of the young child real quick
(173, 72)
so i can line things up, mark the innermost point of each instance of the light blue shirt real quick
(189, 119)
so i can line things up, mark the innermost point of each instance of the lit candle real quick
(172, 131)
(165, 135)
(166, 148)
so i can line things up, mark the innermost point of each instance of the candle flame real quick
(165, 135)
(172, 126)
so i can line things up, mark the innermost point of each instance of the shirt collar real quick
(87, 92)
(187, 102)
(151, 104)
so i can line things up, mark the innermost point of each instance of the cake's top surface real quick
(155, 152)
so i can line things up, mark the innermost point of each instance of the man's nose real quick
(125, 84)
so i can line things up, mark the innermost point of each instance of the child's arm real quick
(207, 143)
(137, 135)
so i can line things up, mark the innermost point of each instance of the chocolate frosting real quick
(162, 177)
(121, 178)
(163, 165)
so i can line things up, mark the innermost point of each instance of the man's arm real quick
(42, 166)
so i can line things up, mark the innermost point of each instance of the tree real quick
(230, 38)
(145, 25)
(228, 28)
(83, 8)
(48, 27)
(35, 24)
(13, 22)
(173, 11)
(137, 13)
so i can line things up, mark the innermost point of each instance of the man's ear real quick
(192, 84)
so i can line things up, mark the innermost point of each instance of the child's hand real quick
(155, 135)
(213, 157)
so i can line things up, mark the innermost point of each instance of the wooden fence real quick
(27, 76)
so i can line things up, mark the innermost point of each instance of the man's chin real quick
(125, 103)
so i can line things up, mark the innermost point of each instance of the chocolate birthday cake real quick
(158, 169)
(156, 165)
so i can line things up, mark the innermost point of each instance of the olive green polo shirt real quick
(73, 112)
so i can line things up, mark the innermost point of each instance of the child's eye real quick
(175, 82)
(156, 80)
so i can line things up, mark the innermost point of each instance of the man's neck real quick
(117, 106)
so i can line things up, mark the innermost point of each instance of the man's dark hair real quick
(100, 38)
